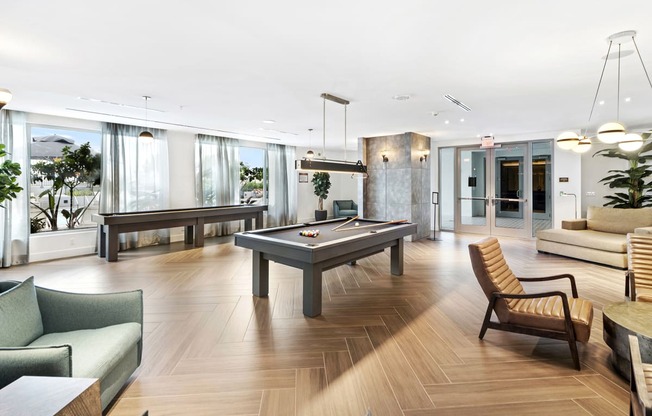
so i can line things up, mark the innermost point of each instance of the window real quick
(65, 177)
(253, 176)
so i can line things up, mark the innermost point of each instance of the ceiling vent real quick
(457, 102)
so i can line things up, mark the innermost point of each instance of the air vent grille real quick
(457, 102)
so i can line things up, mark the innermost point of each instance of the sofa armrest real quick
(53, 361)
(64, 311)
(574, 224)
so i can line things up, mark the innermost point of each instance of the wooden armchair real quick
(547, 314)
(640, 381)
(638, 278)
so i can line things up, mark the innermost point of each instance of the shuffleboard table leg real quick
(396, 255)
(111, 243)
(312, 277)
(260, 273)
(101, 241)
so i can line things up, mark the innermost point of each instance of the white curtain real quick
(135, 177)
(217, 178)
(282, 206)
(14, 217)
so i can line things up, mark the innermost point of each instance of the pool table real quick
(329, 249)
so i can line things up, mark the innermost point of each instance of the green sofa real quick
(45, 332)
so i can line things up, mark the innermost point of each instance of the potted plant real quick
(9, 173)
(634, 180)
(322, 183)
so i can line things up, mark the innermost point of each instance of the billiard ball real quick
(357, 224)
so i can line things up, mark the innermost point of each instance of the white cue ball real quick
(357, 224)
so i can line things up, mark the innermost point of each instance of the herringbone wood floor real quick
(383, 346)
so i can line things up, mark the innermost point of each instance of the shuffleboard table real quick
(193, 219)
(329, 249)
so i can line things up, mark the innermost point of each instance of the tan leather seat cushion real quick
(548, 313)
(643, 295)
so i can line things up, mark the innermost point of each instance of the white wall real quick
(342, 187)
(594, 169)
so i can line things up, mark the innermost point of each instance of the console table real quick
(623, 319)
(47, 396)
(193, 219)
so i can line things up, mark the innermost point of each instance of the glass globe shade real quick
(611, 133)
(567, 140)
(583, 146)
(631, 142)
(310, 154)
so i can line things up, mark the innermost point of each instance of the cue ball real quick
(357, 224)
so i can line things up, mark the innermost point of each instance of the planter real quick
(321, 215)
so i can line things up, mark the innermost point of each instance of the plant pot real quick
(321, 215)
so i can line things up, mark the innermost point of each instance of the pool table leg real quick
(396, 255)
(312, 290)
(260, 274)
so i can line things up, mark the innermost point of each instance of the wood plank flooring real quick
(384, 345)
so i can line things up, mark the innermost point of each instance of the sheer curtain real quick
(135, 177)
(14, 217)
(282, 206)
(217, 178)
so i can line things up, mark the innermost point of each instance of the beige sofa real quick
(600, 238)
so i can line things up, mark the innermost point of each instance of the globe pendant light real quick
(5, 97)
(631, 142)
(583, 146)
(145, 134)
(567, 140)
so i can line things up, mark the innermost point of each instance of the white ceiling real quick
(527, 68)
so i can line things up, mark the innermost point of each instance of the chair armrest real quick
(64, 311)
(34, 361)
(555, 277)
(336, 209)
(574, 224)
(563, 296)
(638, 385)
(354, 206)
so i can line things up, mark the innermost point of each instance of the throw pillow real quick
(20, 316)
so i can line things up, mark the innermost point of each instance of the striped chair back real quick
(639, 259)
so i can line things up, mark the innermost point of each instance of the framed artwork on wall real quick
(303, 177)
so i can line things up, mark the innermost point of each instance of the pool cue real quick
(343, 224)
(372, 225)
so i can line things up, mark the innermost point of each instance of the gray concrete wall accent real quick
(399, 188)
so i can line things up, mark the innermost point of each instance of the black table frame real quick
(313, 260)
(109, 226)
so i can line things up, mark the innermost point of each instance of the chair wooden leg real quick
(576, 357)
(487, 318)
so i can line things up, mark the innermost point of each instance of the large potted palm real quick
(9, 173)
(635, 181)
(322, 183)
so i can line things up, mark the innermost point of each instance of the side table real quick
(620, 320)
(48, 396)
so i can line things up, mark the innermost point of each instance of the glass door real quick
(492, 191)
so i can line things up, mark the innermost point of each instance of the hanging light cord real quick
(618, 89)
(345, 158)
(643, 64)
(595, 98)
(323, 143)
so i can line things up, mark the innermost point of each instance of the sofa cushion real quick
(348, 212)
(95, 351)
(20, 316)
(597, 240)
(618, 220)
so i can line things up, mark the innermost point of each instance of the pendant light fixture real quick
(329, 165)
(310, 154)
(612, 132)
(5, 97)
(146, 134)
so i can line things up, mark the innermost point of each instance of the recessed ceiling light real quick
(601, 102)
(401, 97)
(446, 122)
(461, 120)
(628, 99)
(269, 121)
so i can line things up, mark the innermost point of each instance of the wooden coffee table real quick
(621, 320)
(47, 396)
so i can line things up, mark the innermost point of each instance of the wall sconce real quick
(424, 158)
(385, 158)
